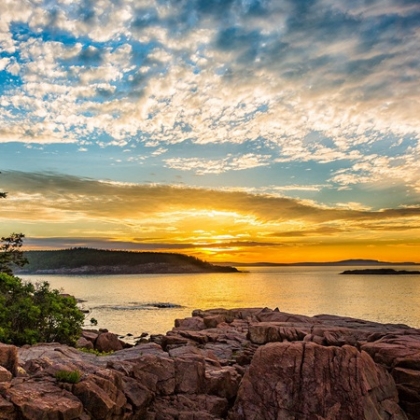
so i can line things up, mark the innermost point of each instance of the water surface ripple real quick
(150, 303)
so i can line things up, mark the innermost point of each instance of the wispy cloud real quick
(209, 166)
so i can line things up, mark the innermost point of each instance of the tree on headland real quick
(10, 250)
(11, 253)
(3, 194)
(31, 313)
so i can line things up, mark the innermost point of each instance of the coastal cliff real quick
(238, 364)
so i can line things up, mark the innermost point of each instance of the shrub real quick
(71, 377)
(95, 351)
(31, 313)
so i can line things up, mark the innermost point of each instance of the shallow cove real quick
(150, 303)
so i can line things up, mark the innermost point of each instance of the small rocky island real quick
(101, 261)
(238, 364)
(380, 271)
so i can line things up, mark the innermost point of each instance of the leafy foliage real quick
(10, 250)
(34, 313)
(11, 254)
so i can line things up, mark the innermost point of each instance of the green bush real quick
(71, 377)
(95, 351)
(31, 313)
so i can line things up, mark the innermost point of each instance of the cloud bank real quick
(311, 81)
(204, 222)
(237, 127)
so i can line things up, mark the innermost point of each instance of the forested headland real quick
(100, 261)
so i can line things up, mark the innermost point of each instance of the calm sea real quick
(150, 303)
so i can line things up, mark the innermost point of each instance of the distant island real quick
(100, 261)
(380, 271)
(351, 262)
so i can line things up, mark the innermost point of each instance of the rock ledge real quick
(238, 364)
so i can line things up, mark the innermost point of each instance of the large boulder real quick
(156, 374)
(9, 358)
(83, 343)
(101, 398)
(137, 394)
(303, 380)
(35, 400)
(190, 375)
(400, 353)
(108, 342)
(190, 324)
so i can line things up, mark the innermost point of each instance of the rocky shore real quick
(240, 364)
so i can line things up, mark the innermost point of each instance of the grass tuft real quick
(71, 377)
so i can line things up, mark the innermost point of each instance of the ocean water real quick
(150, 303)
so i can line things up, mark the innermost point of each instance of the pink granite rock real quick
(100, 398)
(305, 381)
(82, 342)
(36, 400)
(401, 355)
(190, 324)
(156, 374)
(190, 375)
(217, 362)
(188, 407)
(9, 357)
(137, 394)
(7, 410)
(213, 321)
(107, 342)
(90, 335)
(5, 375)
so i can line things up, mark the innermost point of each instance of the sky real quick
(231, 130)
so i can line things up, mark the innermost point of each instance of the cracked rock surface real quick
(238, 364)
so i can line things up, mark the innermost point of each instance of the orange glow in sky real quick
(214, 225)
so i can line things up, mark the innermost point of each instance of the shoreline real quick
(211, 364)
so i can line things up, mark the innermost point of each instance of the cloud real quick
(321, 81)
(50, 193)
(60, 211)
(289, 57)
(102, 243)
(230, 163)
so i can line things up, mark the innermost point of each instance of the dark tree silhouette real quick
(11, 253)
(3, 194)
(10, 250)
